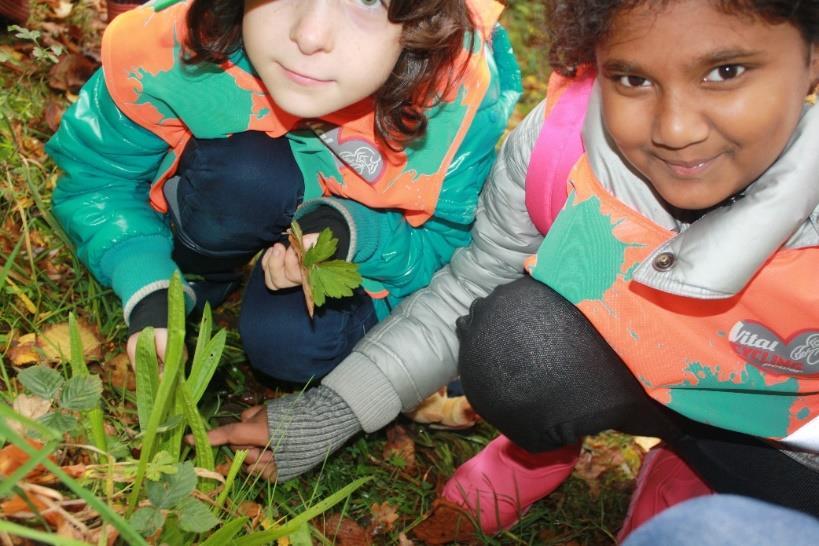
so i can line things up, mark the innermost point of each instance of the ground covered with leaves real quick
(86, 458)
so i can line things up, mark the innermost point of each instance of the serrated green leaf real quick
(60, 422)
(194, 516)
(41, 381)
(336, 278)
(296, 229)
(81, 393)
(147, 520)
(162, 463)
(324, 248)
(170, 489)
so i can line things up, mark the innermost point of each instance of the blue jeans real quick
(232, 198)
(727, 520)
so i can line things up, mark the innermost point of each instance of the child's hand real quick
(251, 433)
(161, 339)
(281, 265)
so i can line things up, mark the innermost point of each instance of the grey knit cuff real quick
(306, 427)
(366, 390)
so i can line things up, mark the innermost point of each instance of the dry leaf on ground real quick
(55, 342)
(441, 411)
(343, 531)
(24, 351)
(120, 373)
(447, 523)
(384, 516)
(29, 406)
(400, 448)
(646, 442)
(71, 72)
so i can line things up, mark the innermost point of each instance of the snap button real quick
(664, 261)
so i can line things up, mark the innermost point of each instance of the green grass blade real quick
(173, 440)
(147, 376)
(204, 453)
(266, 537)
(7, 483)
(40, 536)
(96, 420)
(205, 331)
(204, 365)
(42, 430)
(235, 466)
(9, 262)
(224, 536)
(173, 362)
(107, 514)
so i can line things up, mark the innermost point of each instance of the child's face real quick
(319, 56)
(702, 102)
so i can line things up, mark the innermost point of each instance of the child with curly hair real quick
(212, 124)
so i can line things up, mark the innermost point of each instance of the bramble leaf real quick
(195, 517)
(59, 421)
(147, 520)
(81, 392)
(171, 489)
(41, 381)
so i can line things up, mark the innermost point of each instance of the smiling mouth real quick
(690, 169)
(303, 79)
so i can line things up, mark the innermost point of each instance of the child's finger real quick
(239, 433)
(292, 270)
(251, 412)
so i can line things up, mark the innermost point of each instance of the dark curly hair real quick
(433, 37)
(577, 26)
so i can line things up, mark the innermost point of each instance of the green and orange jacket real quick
(407, 211)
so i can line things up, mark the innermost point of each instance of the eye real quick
(725, 72)
(632, 81)
(371, 3)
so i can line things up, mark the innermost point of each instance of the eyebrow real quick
(711, 58)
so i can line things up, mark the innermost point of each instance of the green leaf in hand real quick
(322, 278)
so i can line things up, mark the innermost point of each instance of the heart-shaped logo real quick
(763, 348)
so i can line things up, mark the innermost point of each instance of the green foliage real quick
(326, 278)
(42, 381)
(79, 393)
(50, 54)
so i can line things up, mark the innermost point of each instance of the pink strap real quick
(556, 151)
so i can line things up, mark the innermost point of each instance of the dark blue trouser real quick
(234, 197)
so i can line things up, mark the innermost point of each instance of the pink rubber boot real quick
(500, 483)
(664, 480)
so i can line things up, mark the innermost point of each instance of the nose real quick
(679, 121)
(312, 27)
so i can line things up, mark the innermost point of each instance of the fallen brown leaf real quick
(24, 351)
(29, 406)
(399, 445)
(55, 342)
(343, 531)
(441, 411)
(384, 516)
(447, 522)
(12, 458)
(71, 72)
(120, 373)
(53, 114)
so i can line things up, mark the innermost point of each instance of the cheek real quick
(628, 122)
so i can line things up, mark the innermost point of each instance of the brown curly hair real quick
(576, 27)
(433, 36)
